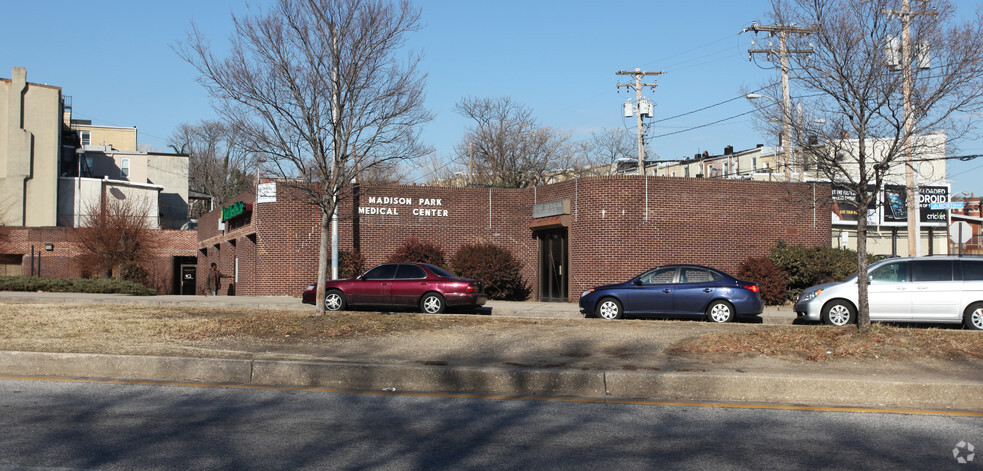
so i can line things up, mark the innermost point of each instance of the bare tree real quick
(506, 147)
(218, 164)
(866, 133)
(600, 153)
(318, 90)
(117, 238)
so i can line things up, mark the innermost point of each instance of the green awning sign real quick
(235, 210)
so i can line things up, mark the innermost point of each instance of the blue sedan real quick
(675, 290)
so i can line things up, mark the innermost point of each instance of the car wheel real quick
(432, 303)
(973, 317)
(720, 312)
(839, 313)
(334, 301)
(609, 308)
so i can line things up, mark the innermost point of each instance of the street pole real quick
(638, 85)
(783, 31)
(911, 193)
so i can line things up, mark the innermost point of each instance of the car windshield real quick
(870, 268)
(440, 271)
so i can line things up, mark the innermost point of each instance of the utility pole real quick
(783, 31)
(638, 85)
(911, 197)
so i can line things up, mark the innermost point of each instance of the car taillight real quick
(471, 289)
(752, 288)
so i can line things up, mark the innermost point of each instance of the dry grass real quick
(112, 328)
(821, 343)
(176, 330)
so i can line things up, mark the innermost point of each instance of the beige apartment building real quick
(115, 137)
(30, 146)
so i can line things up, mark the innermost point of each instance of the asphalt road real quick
(50, 424)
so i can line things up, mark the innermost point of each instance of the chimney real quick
(728, 150)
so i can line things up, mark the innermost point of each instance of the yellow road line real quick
(600, 400)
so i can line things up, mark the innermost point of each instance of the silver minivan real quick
(910, 289)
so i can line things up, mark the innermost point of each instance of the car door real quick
(888, 292)
(935, 295)
(652, 292)
(373, 288)
(693, 291)
(408, 285)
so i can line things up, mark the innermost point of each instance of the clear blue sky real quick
(557, 57)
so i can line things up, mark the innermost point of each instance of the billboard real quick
(890, 207)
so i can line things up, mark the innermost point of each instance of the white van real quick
(909, 289)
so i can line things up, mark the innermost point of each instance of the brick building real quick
(53, 252)
(569, 235)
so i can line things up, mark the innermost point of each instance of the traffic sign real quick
(960, 232)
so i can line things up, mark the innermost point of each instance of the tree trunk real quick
(863, 307)
(322, 259)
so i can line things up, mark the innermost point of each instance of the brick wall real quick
(617, 227)
(63, 261)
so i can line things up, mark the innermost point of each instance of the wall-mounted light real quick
(48, 246)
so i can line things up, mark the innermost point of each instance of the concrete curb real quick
(96, 365)
(652, 385)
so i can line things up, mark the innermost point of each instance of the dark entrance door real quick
(188, 273)
(553, 266)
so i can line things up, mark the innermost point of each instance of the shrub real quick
(130, 271)
(73, 285)
(415, 250)
(771, 278)
(350, 264)
(808, 266)
(495, 267)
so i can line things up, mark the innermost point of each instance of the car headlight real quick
(809, 295)
(585, 293)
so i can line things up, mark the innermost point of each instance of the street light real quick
(786, 131)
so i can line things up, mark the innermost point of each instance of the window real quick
(408, 272)
(931, 270)
(440, 271)
(85, 137)
(659, 276)
(694, 275)
(124, 168)
(972, 270)
(381, 272)
(890, 273)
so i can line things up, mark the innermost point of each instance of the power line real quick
(704, 125)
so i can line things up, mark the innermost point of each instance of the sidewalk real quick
(380, 364)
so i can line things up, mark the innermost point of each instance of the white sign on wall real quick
(266, 192)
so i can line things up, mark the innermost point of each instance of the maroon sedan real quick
(430, 288)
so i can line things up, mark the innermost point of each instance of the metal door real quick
(188, 276)
(553, 266)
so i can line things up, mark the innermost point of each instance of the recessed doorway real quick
(553, 269)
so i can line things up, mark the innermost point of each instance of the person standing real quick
(215, 279)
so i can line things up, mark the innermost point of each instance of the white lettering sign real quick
(388, 206)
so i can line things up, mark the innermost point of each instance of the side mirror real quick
(637, 282)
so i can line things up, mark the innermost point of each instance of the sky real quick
(116, 60)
